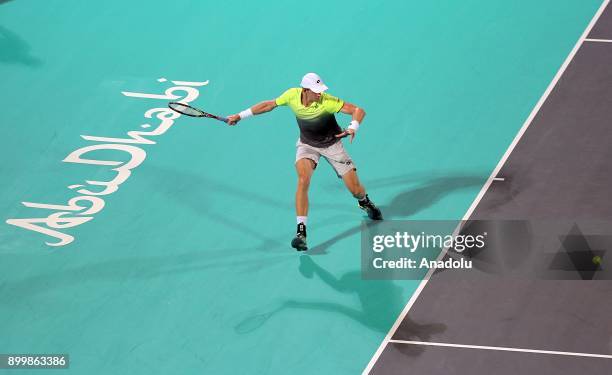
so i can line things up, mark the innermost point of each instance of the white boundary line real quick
(502, 348)
(598, 40)
(495, 172)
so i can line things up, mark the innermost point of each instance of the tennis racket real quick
(188, 110)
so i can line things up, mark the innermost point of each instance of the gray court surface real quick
(560, 169)
(603, 28)
(401, 359)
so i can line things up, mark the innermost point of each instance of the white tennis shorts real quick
(335, 155)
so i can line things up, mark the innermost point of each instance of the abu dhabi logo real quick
(90, 199)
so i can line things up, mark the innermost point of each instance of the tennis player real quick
(320, 136)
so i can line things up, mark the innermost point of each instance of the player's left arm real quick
(357, 115)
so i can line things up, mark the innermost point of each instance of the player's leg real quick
(306, 160)
(351, 180)
(304, 167)
(340, 160)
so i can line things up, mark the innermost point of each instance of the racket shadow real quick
(380, 302)
(255, 322)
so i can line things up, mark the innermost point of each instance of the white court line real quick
(495, 172)
(599, 40)
(502, 348)
(499, 179)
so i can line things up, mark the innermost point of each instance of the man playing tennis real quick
(320, 135)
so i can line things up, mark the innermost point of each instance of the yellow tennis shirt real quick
(317, 122)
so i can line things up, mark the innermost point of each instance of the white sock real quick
(302, 219)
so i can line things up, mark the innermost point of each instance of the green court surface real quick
(187, 269)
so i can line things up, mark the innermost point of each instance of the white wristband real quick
(245, 114)
(354, 125)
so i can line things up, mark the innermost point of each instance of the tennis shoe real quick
(299, 242)
(370, 208)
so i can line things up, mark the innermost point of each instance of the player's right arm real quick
(262, 107)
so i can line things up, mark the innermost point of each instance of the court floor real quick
(143, 244)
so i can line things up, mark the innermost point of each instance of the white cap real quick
(313, 82)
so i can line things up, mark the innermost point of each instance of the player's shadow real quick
(14, 50)
(379, 303)
(198, 192)
(404, 204)
(410, 202)
(112, 272)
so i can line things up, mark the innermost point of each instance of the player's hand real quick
(233, 119)
(347, 133)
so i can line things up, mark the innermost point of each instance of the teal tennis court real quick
(176, 256)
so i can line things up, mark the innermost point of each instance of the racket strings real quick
(186, 110)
